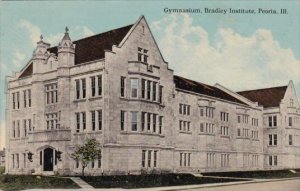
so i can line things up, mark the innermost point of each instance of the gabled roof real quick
(268, 97)
(193, 86)
(92, 48)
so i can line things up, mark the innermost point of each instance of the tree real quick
(86, 153)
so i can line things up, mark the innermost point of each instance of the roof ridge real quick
(96, 34)
(194, 81)
(102, 33)
(276, 87)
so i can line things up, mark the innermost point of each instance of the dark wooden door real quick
(48, 159)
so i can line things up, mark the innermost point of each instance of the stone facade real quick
(144, 121)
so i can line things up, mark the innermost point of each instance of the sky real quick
(238, 51)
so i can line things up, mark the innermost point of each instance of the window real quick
(254, 122)
(52, 121)
(24, 99)
(122, 120)
(273, 121)
(185, 159)
(272, 160)
(18, 100)
(123, 86)
(154, 91)
(93, 113)
(25, 128)
(224, 160)
(273, 139)
(238, 132)
(134, 121)
(148, 90)
(14, 100)
(143, 88)
(154, 158)
(18, 161)
(290, 121)
(210, 160)
(184, 126)
(291, 102)
(149, 121)
(77, 122)
(99, 120)
(143, 114)
(209, 112)
(24, 160)
(224, 116)
(184, 109)
(29, 98)
(83, 85)
(93, 86)
(160, 124)
(134, 87)
(142, 55)
(51, 93)
(18, 128)
(160, 94)
(143, 158)
(99, 85)
(224, 131)
(77, 82)
(290, 139)
(149, 158)
(154, 122)
(14, 129)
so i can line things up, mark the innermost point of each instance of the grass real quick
(148, 181)
(21, 182)
(256, 174)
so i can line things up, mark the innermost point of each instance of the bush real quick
(2, 169)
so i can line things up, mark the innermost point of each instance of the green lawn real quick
(21, 182)
(256, 174)
(148, 181)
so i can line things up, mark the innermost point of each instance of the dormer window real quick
(142, 55)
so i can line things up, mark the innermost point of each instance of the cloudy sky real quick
(239, 51)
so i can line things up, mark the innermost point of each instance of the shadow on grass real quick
(21, 182)
(148, 181)
(256, 174)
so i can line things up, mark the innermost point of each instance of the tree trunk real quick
(83, 170)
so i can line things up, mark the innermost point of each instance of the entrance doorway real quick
(48, 159)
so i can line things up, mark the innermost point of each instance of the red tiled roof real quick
(268, 97)
(92, 48)
(193, 86)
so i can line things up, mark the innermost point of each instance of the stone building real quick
(116, 87)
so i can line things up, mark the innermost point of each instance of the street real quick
(287, 185)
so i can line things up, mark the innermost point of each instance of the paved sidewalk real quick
(81, 183)
(219, 186)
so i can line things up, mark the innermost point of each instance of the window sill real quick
(225, 136)
(242, 138)
(88, 132)
(272, 127)
(272, 146)
(51, 104)
(185, 132)
(79, 100)
(141, 133)
(255, 139)
(209, 134)
(95, 97)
